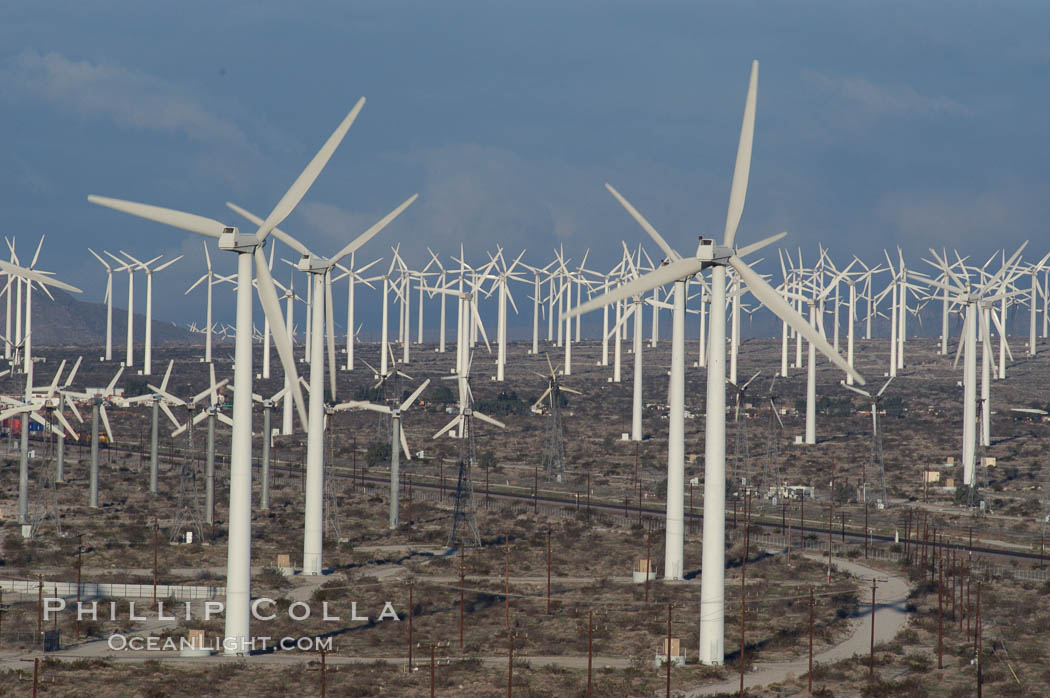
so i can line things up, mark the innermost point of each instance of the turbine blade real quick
(375, 229)
(663, 275)
(490, 420)
(646, 225)
(742, 169)
(272, 308)
(404, 443)
(329, 333)
(776, 303)
(455, 420)
(105, 422)
(167, 411)
(414, 396)
(305, 180)
(179, 219)
(756, 246)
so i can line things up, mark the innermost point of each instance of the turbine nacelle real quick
(708, 251)
(233, 240)
(313, 264)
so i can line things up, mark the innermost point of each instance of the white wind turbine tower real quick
(354, 277)
(500, 282)
(537, 302)
(971, 296)
(129, 266)
(249, 248)
(634, 312)
(605, 282)
(209, 278)
(29, 276)
(712, 594)
(1035, 291)
(145, 266)
(320, 269)
(440, 282)
(384, 330)
(25, 338)
(816, 321)
(109, 305)
(852, 279)
(468, 319)
(398, 442)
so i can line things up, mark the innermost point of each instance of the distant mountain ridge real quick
(70, 321)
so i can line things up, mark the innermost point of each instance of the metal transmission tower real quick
(46, 479)
(464, 516)
(980, 478)
(876, 465)
(771, 481)
(187, 503)
(554, 436)
(331, 497)
(740, 477)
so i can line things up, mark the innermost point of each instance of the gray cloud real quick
(889, 99)
(110, 91)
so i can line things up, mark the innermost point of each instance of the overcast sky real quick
(879, 124)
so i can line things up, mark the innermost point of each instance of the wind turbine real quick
(971, 296)
(109, 304)
(29, 276)
(320, 269)
(147, 359)
(30, 408)
(876, 461)
(129, 267)
(212, 414)
(398, 442)
(501, 281)
(353, 276)
(209, 277)
(249, 248)
(159, 398)
(98, 399)
(718, 257)
(553, 446)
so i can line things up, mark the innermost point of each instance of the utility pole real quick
(802, 522)
(155, 526)
(648, 560)
(811, 641)
(669, 650)
(831, 514)
(510, 664)
(590, 645)
(409, 627)
(743, 584)
(871, 661)
(462, 594)
(548, 571)
(506, 578)
(940, 618)
(324, 673)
